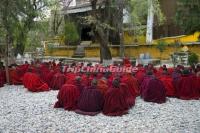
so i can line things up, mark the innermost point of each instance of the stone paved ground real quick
(23, 111)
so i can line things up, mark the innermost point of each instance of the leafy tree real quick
(103, 21)
(161, 46)
(37, 34)
(17, 18)
(70, 33)
(193, 59)
(188, 15)
(138, 14)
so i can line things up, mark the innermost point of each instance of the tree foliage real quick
(193, 59)
(18, 18)
(188, 15)
(70, 33)
(138, 14)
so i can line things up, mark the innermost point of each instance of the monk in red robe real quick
(86, 81)
(132, 83)
(33, 83)
(78, 84)
(2, 78)
(153, 90)
(115, 101)
(68, 97)
(140, 74)
(188, 87)
(168, 83)
(58, 81)
(91, 100)
(15, 79)
(126, 62)
(44, 71)
(102, 85)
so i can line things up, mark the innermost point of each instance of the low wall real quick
(130, 50)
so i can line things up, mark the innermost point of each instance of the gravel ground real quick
(23, 111)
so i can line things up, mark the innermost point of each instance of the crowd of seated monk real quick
(112, 93)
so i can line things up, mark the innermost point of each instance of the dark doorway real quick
(85, 34)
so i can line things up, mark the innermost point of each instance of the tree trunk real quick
(120, 16)
(150, 19)
(7, 58)
(102, 34)
(103, 40)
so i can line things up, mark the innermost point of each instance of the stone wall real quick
(130, 50)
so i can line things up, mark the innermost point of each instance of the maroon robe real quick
(188, 87)
(58, 81)
(115, 102)
(132, 83)
(15, 79)
(2, 78)
(168, 83)
(91, 101)
(153, 90)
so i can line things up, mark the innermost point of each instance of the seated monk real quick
(91, 100)
(70, 78)
(78, 84)
(86, 79)
(33, 83)
(102, 85)
(57, 81)
(15, 79)
(140, 74)
(44, 71)
(68, 97)
(115, 102)
(132, 83)
(188, 86)
(49, 77)
(126, 62)
(2, 79)
(153, 90)
(168, 83)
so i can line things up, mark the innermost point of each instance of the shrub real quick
(193, 59)
(70, 33)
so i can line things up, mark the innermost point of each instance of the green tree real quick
(188, 15)
(17, 18)
(70, 33)
(138, 14)
(161, 47)
(193, 59)
(37, 34)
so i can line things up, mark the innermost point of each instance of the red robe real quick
(168, 83)
(115, 102)
(91, 101)
(153, 90)
(70, 78)
(15, 79)
(33, 83)
(102, 86)
(68, 97)
(188, 87)
(130, 99)
(57, 81)
(2, 78)
(132, 83)
(44, 71)
(140, 75)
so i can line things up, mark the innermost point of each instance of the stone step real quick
(86, 43)
(79, 52)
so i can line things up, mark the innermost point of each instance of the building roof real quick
(84, 7)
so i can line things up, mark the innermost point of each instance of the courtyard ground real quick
(23, 111)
